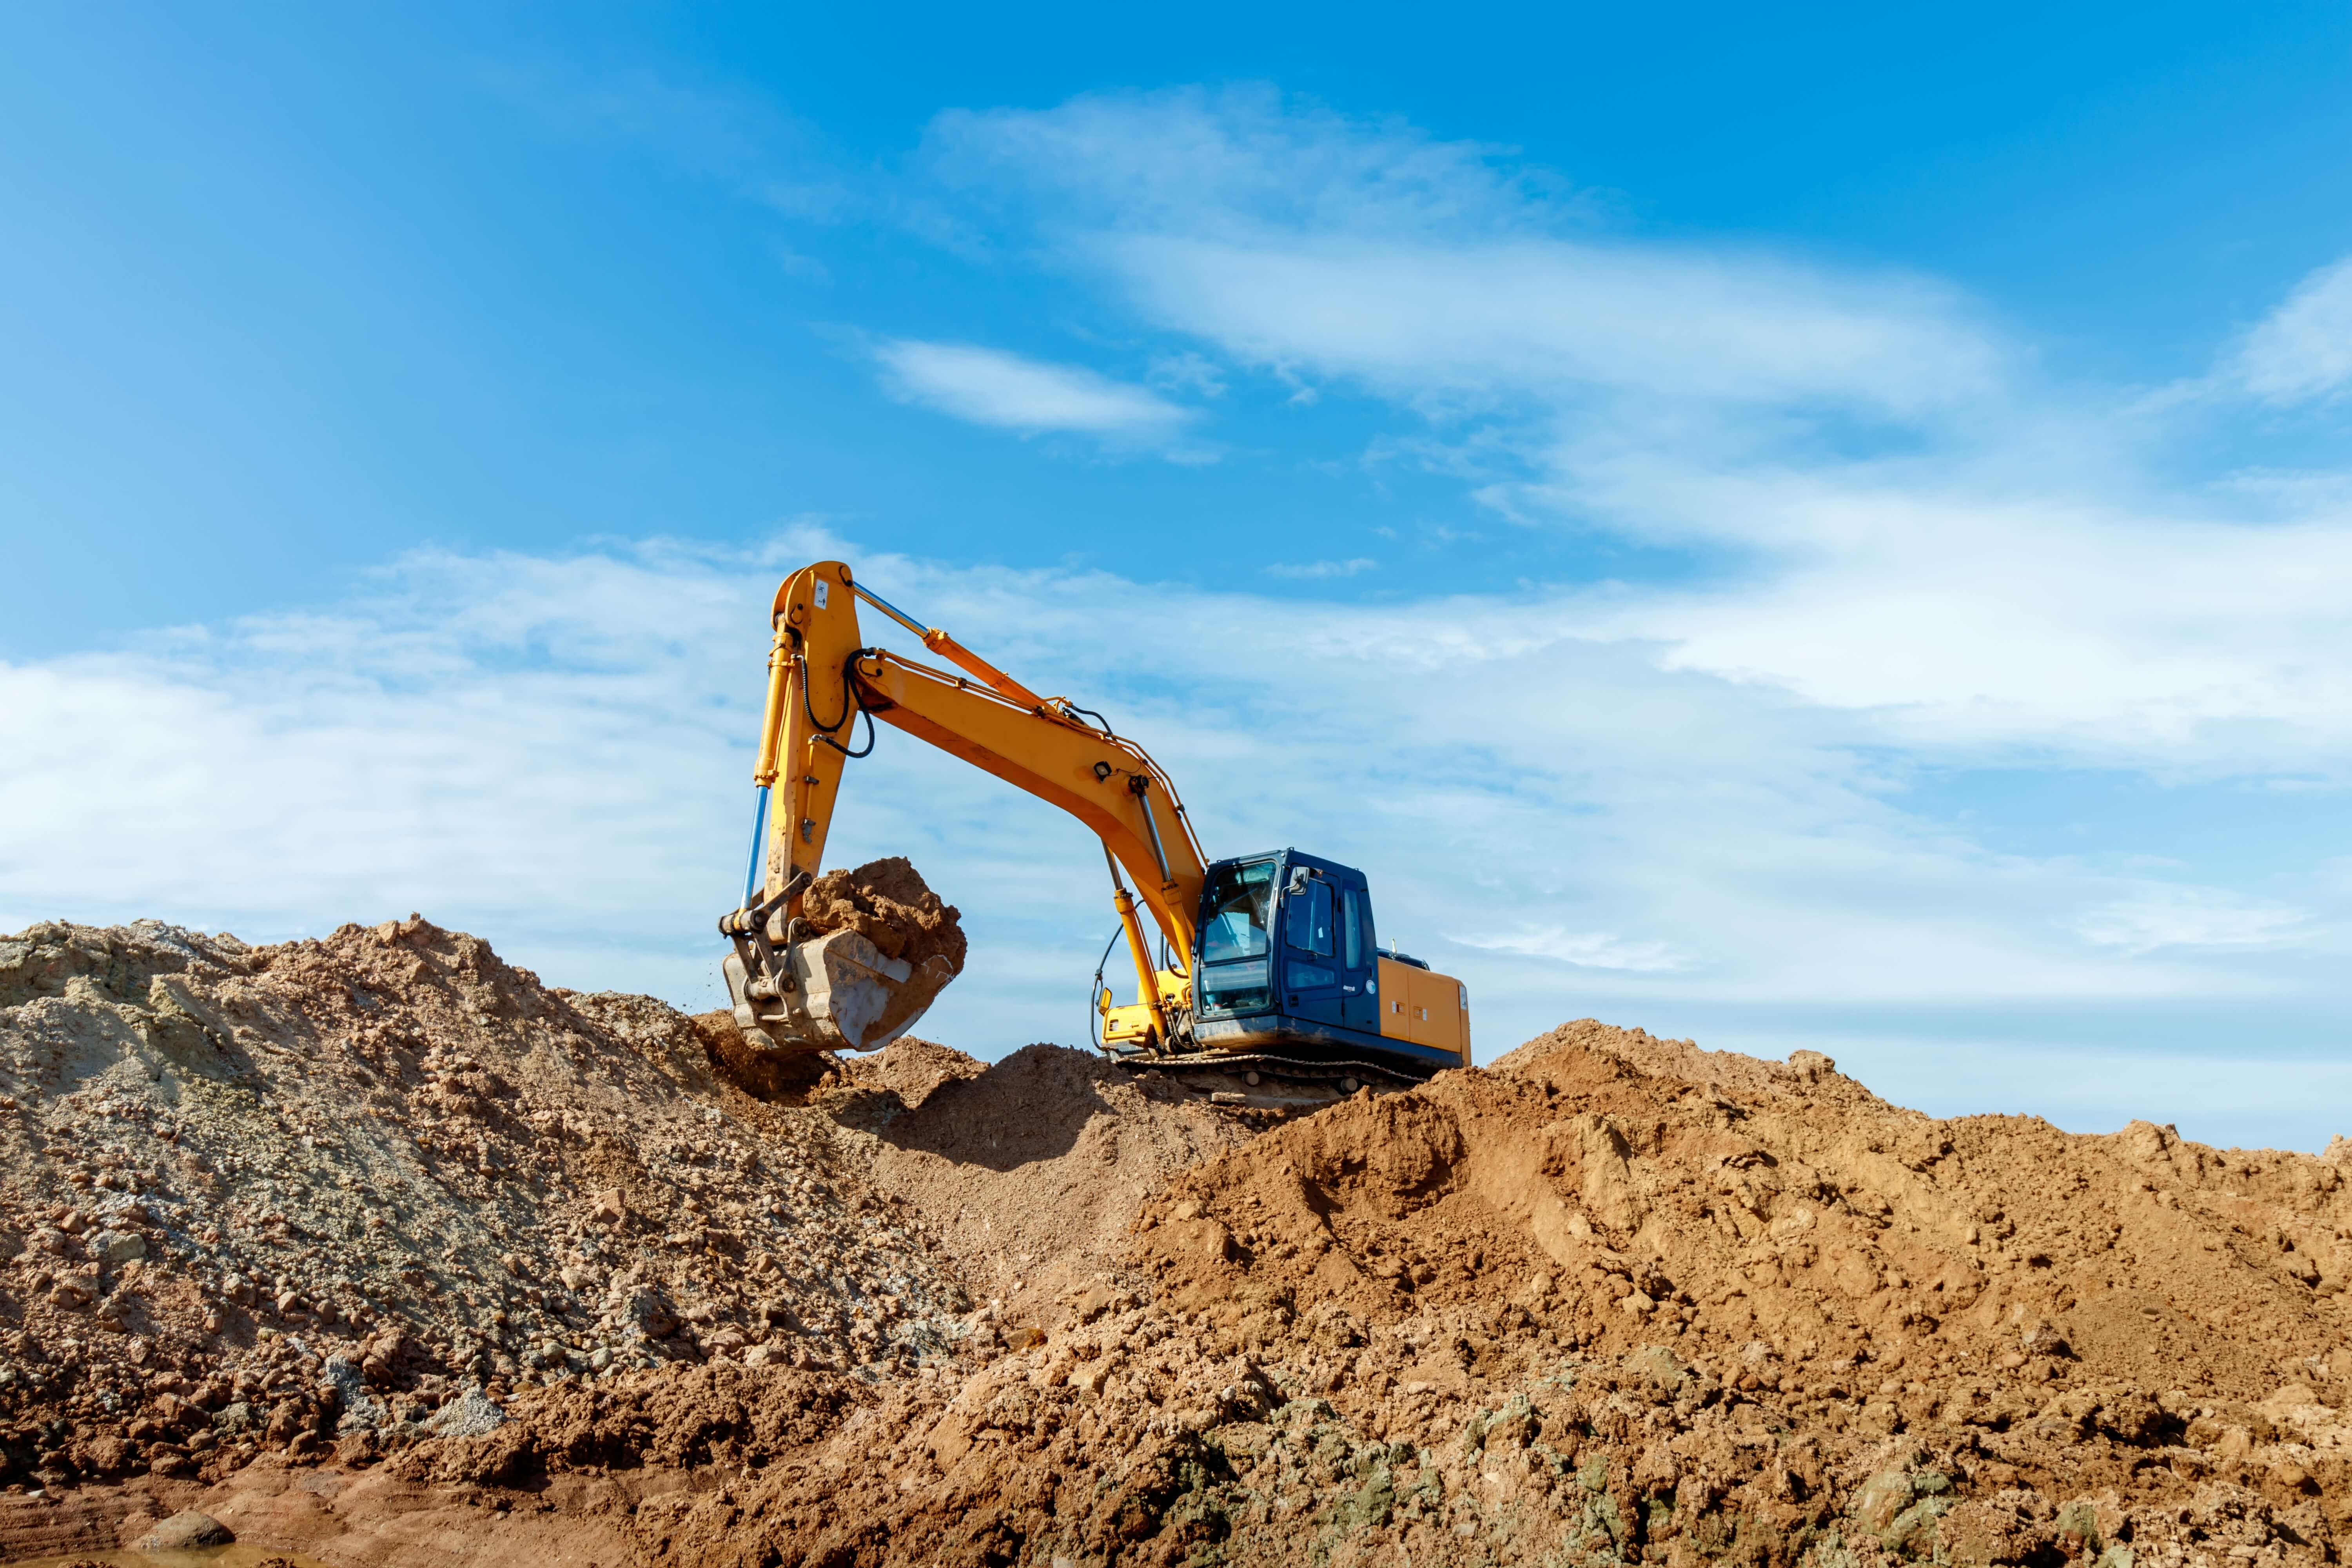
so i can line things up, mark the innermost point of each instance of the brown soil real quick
(1613, 1300)
(222, 1170)
(888, 902)
(781, 1077)
(1029, 1173)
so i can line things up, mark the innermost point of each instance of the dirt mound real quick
(1646, 1187)
(1030, 1171)
(888, 902)
(1614, 1301)
(1620, 1300)
(310, 1194)
(310, 1237)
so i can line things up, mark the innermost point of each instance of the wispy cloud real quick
(1585, 950)
(1880, 503)
(1310, 570)
(1188, 372)
(556, 751)
(2184, 917)
(1008, 391)
(2302, 351)
(1303, 240)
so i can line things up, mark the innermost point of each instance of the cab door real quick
(1310, 947)
(1359, 1001)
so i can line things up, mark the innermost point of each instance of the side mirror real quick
(1298, 878)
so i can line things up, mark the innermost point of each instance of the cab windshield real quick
(1238, 903)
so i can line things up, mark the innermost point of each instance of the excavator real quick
(1269, 978)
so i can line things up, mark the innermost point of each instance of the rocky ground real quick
(376, 1249)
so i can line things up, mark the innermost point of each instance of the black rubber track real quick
(1271, 1065)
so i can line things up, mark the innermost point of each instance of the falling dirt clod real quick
(343, 1243)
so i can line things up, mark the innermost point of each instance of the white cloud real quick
(1311, 570)
(1446, 325)
(1972, 623)
(555, 754)
(1192, 160)
(1007, 392)
(1306, 241)
(1188, 372)
(1586, 950)
(1882, 505)
(2170, 917)
(2302, 350)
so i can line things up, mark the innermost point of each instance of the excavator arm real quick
(811, 993)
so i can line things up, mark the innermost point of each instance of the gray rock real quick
(342, 1381)
(233, 1418)
(186, 1532)
(117, 1247)
(470, 1415)
(652, 1315)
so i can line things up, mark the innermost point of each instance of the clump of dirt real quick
(888, 902)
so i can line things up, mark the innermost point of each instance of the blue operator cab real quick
(1289, 961)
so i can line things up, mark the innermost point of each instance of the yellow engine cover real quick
(1129, 1025)
(1425, 1008)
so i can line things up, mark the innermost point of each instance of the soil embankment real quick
(372, 1245)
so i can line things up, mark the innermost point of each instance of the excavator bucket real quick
(837, 992)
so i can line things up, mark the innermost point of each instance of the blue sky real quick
(1826, 531)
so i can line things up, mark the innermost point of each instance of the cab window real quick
(1239, 905)
(1308, 919)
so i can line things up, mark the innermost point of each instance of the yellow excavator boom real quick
(822, 675)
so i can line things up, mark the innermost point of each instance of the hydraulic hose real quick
(850, 709)
(1093, 1038)
(759, 833)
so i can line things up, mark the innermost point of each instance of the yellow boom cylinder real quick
(1145, 977)
(946, 647)
(771, 724)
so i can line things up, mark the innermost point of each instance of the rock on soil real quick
(187, 1531)
(1614, 1300)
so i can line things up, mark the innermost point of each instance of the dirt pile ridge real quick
(1614, 1301)
(1029, 1173)
(1642, 1188)
(285, 1212)
(319, 1189)
(1619, 1301)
